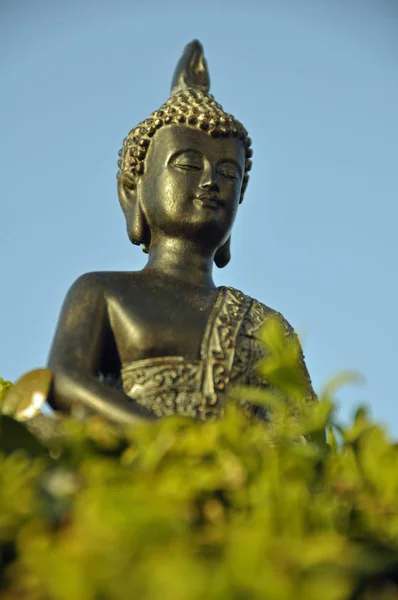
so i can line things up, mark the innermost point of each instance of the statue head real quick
(184, 170)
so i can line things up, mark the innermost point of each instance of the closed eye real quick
(229, 172)
(187, 167)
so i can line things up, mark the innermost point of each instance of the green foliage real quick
(235, 509)
(4, 387)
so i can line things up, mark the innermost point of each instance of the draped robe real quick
(229, 352)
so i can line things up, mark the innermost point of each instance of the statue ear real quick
(223, 254)
(137, 227)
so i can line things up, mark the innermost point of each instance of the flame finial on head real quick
(191, 70)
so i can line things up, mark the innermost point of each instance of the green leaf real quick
(14, 436)
(4, 387)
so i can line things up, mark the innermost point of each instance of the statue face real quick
(191, 185)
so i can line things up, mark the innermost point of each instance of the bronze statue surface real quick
(165, 340)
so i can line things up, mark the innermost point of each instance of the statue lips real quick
(208, 201)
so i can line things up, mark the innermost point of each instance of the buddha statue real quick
(165, 340)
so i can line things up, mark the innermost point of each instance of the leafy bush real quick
(235, 509)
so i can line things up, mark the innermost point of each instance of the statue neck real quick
(183, 259)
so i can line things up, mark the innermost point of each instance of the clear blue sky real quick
(316, 85)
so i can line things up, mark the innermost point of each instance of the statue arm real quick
(76, 353)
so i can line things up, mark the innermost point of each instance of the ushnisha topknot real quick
(190, 105)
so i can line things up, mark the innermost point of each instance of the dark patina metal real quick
(165, 340)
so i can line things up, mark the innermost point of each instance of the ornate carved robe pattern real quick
(229, 353)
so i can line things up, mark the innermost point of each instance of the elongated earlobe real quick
(137, 228)
(223, 254)
(136, 225)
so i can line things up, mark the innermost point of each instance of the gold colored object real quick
(26, 398)
(165, 340)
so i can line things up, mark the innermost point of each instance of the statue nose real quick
(209, 181)
(211, 186)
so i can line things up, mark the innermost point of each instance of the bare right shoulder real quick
(87, 280)
(101, 282)
(93, 290)
(83, 317)
(85, 288)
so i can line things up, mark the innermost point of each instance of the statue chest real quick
(159, 324)
(191, 383)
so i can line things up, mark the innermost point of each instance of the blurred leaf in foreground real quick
(234, 509)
